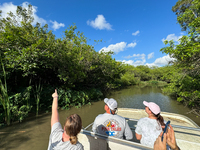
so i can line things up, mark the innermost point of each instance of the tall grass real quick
(37, 94)
(5, 101)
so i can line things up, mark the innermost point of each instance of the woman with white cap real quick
(149, 128)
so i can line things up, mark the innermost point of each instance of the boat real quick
(187, 133)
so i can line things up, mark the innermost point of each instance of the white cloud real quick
(172, 37)
(137, 56)
(136, 33)
(115, 47)
(150, 55)
(7, 7)
(130, 62)
(140, 60)
(127, 57)
(150, 65)
(134, 63)
(132, 45)
(118, 47)
(162, 61)
(57, 25)
(99, 23)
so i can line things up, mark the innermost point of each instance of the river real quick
(34, 133)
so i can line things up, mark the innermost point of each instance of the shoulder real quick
(56, 126)
(120, 117)
(101, 116)
(142, 120)
(79, 146)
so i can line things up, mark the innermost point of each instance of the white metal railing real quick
(174, 126)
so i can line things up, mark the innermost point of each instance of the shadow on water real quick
(34, 133)
(14, 136)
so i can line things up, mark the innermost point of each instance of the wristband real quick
(55, 97)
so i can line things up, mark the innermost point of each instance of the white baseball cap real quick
(112, 104)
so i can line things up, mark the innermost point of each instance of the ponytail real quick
(160, 119)
(73, 139)
(73, 126)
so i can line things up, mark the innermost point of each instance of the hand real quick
(55, 95)
(171, 140)
(160, 145)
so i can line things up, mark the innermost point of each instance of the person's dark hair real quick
(73, 126)
(160, 119)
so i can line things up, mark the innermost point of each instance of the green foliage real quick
(37, 95)
(20, 106)
(4, 98)
(33, 57)
(153, 82)
(188, 12)
(184, 80)
(69, 98)
(154, 75)
(20, 113)
(128, 79)
(143, 72)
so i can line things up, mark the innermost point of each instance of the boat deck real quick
(187, 133)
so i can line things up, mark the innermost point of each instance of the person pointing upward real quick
(64, 138)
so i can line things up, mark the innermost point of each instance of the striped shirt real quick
(55, 140)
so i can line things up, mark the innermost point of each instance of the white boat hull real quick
(187, 133)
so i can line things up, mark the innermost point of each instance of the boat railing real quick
(112, 141)
(174, 126)
(88, 126)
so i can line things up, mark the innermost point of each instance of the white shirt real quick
(150, 129)
(112, 125)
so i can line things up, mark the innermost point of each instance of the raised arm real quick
(54, 115)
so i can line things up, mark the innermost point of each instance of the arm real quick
(171, 140)
(54, 115)
(94, 126)
(138, 136)
(128, 133)
(159, 145)
(138, 130)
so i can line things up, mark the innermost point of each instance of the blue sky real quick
(133, 29)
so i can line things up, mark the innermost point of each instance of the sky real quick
(133, 29)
